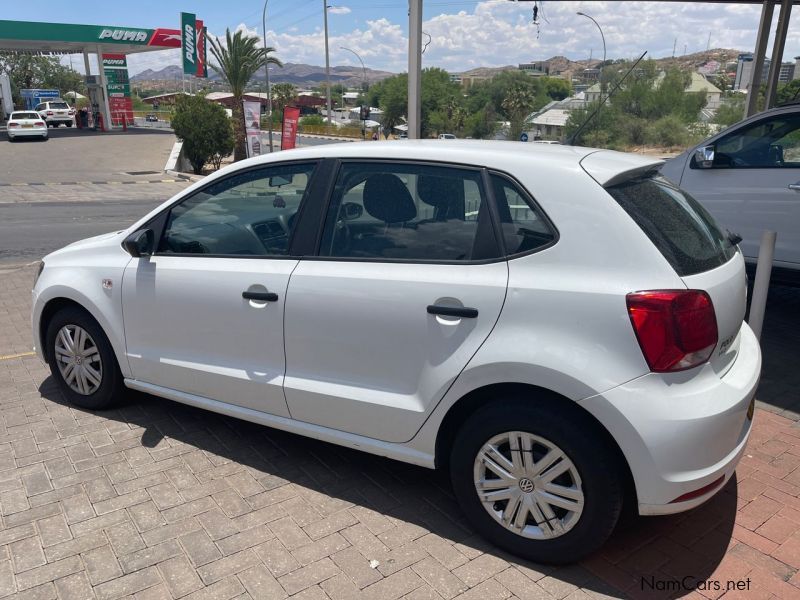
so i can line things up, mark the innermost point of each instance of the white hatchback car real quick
(560, 327)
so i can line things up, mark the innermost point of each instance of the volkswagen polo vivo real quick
(561, 328)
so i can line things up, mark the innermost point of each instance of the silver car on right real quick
(748, 177)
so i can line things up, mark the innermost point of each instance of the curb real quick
(184, 176)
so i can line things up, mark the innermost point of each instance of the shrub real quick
(312, 120)
(205, 130)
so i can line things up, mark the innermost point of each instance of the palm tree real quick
(237, 61)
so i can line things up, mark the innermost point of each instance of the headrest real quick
(387, 199)
(445, 194)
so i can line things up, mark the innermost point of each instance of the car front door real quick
(754, 184)
(408, 284)
(204, 314)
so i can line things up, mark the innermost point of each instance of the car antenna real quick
(574, 136)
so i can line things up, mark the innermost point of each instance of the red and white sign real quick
(252, 127)
(166, 38)
(291, 116)
(200, 44)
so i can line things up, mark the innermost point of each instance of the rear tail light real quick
(39, 123)
(13, 124)
(676, 329)
(49, 113)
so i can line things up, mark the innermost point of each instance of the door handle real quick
(453, 311)
(260, 296)
(795, 186)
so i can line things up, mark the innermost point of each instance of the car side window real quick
(773, 142)
(408, 212)
(248, 214)
(524, 226)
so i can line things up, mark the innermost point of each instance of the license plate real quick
(27, 126)
(751, 409)
(61, 114)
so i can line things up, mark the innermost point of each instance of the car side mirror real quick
(704, 157)
(351, 211)
(140, 243)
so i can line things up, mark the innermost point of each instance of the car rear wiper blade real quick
(734, 238)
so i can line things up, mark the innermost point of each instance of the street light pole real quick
(582, 14)
(363, 88)
(327, 61)
(266, 74)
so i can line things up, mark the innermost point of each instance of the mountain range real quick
(310, 75)
(296, 73)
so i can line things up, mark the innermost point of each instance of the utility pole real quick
(674, 46)
(414, 68)
(327, 61)
(266, 74)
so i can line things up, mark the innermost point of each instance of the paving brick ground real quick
(155, 500)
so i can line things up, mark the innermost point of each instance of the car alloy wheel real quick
(528, 485)
(78, 359)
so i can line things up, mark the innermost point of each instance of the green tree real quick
(730, 111)
(518, 103)
(205, 130)
(29, 71)
(282, 95)
(236, 62)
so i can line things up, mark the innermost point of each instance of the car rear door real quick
(753, 184)
(407, 284)
(204, 314)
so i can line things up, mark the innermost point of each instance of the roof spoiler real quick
(608, 167)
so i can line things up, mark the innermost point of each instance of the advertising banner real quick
(291, 116)
(200, 44)
(188, 45)
(60, 32)
(252, 127)
(115, 67)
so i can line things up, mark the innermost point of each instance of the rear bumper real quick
(683, 431)
(41, 131)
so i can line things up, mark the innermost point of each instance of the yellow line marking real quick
(84, 182)
(142, 182)
(18, 184)
(10, 356)
(168, 181)
(52, 184)
(114, 182)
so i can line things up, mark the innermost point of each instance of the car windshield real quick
(59, 105)
(24, 115)
(676, 223)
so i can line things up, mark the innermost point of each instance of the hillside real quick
(296, 73)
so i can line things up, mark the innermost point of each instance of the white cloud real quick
(496, 33)
(339, 10)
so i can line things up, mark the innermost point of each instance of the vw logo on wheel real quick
(526, 485)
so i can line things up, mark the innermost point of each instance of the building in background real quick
(535, 69)
(744, 69)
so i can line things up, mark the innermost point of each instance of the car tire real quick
(68, 124)
(544, 532)
(74, 337)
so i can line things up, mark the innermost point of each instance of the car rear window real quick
(25, 115)
(58, 105)
(676, 223)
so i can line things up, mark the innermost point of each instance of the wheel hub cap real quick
(78, 359)
(528, 485)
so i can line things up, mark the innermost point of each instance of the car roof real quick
(492, 154)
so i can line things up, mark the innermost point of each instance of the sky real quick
(463, 34)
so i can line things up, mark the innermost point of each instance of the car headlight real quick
(38, 272)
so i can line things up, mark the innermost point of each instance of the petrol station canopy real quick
(64, 38)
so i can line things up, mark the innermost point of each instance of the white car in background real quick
(56, 112)
(25, 123)
(748, 178)
(559, 327)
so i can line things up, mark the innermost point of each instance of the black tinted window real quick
(408, 212)
(769, 143)
(523, 226)
(251, 213)
(681, 229)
